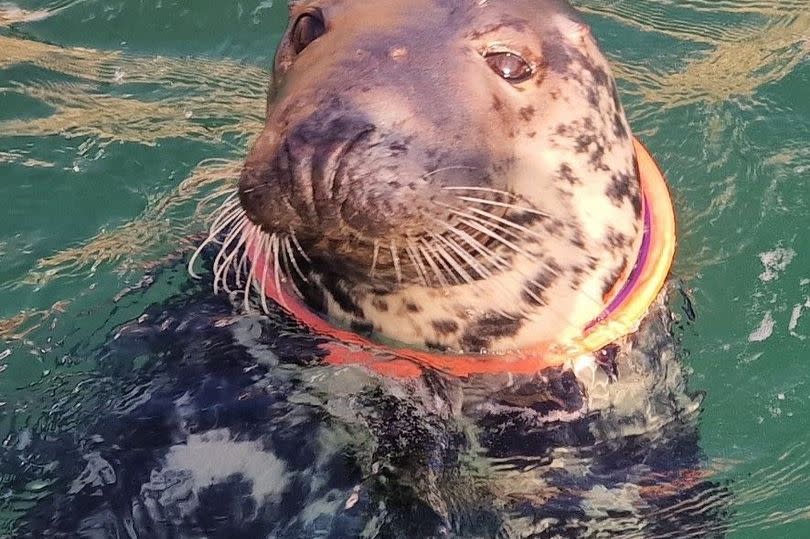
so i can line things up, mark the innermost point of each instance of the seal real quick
(450, 175)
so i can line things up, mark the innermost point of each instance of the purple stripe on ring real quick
(632, 279)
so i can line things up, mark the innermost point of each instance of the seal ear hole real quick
(307, 28)
(509, 66)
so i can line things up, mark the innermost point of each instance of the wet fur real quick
(301, 450)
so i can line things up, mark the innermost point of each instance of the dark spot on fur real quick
(380, 291)
(445, 327)
(610, 281)
(436, 347)
(314, 298)
(412, 307)
(619, 128)
(600, 76)
(566, 173)
(616, 240)
(563, 130)
(624, 187)
(531, 134)
(614, 93)
(361, 327)
(525, 218)
(497, 104)
(554, 226)
(577, 240)
(380, 304)
(596, 158)
(490, 326)
(593, 97)
(534, 290)
(577, 272)
(635, 199)
(527, 113)
(332, 283)
(398, 148)
(583, 142)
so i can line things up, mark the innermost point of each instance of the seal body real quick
(204, 422)
(452, 174)
(457, 175)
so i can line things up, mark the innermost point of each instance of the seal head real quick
(454, 174)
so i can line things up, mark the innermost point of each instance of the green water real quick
(116, 118)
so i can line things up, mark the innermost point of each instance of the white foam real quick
(764, 330)
(774, 262)
(795, 315)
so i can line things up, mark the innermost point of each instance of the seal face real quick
(453, 174)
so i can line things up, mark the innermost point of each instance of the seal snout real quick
(292, 179)
(333, 176)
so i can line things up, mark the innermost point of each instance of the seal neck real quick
(621, 316)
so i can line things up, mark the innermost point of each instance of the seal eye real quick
(509, 66)
(307, 29)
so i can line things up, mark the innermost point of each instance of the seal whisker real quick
(495, 227)
(249, 280)
(455, 270)
(230, 261)
(507, 222)
(276, 275)
(224, 210)
(291, 255)
(482, 271)
(499, 284)
(484, 222)
(517, 249)
(448, 263)
(226, 216)
(497, 261)
(485, 189)
(285, 259)
(212, 235)
(298, 245)
(416, 260)
(224, 213)
(486, 231)
(548, 266)
(229, 201)
(440, 256)
(503, 205)
(395, 261)
(243, 260)
(450, 167)
(432, 263)
(222, 260)
(263, 284)
(374, 257)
